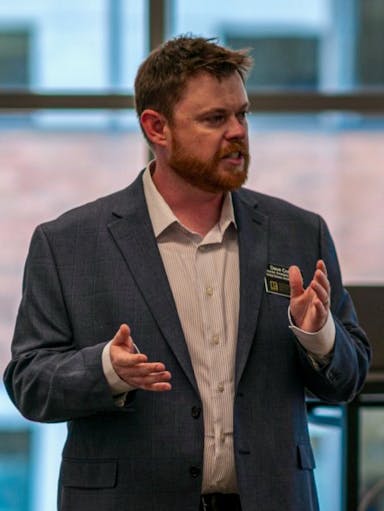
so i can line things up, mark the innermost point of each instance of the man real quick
(222, 305)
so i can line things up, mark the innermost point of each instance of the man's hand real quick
(309, 307)
(133, 367)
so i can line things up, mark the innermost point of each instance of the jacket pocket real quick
(78, 473)
(305, 456)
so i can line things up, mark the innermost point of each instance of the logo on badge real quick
(277, 280)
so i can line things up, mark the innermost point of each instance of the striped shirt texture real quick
(203, 274)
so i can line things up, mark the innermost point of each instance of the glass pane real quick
(14, 58)
(330, 45)
(326, 439)
(370, 41)
(71, 45)
(323, 164)
(30, 455)
(134, 40)
(372, 460)
(14, 470)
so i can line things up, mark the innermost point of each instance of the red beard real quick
(210, 176)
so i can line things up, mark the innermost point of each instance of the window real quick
(15, 58)
(370, 43)
(15, 476)
(325, 161)
(282, 61)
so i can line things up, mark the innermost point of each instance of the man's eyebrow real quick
(221, 110)
(214, 110)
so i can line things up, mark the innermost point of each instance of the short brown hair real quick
(161, 78)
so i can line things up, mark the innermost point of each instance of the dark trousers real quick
(220, 502)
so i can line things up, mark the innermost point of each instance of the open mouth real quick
(235, 157)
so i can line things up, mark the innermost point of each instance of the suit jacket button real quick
(196, 411)
(194, 471)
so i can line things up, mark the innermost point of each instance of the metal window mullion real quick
(157, 22)
(260, 102)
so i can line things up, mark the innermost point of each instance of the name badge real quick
(277, 280)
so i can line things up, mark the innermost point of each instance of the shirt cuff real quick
(116, 384)
(320, 343)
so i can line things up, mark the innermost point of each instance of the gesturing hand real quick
(133, 367)
(309, 307)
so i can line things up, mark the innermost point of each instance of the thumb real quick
(123, 337)
(295, 281)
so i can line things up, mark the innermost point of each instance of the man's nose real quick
(237, 128)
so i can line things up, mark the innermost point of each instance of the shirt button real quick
(220, 388)
(215, 339)
(209, 290)
(194, 471)
(196, 411)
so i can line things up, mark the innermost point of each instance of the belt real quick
(220, 502)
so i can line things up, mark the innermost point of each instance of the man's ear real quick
(154, 125)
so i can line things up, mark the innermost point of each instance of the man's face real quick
(209, 133)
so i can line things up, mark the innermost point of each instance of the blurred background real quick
(68, 134)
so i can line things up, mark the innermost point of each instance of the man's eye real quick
(242, 115)
(215, 119)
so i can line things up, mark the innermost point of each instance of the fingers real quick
(295, 281)
(139, 369)
(133, 367)
(321, 286)
(309, 307)
(153, 381)
(147, 376)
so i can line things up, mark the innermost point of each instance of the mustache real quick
(234, 147)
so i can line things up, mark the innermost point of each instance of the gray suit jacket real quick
(98, 266)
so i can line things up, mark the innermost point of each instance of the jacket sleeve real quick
(344, 376)
(49, 378)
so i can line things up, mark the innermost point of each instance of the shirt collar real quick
(161, 214)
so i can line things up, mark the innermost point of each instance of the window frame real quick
(158, 16)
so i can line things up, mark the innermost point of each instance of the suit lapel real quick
(133, 234)
(253, 254)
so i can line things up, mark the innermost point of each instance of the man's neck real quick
(196, 209)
